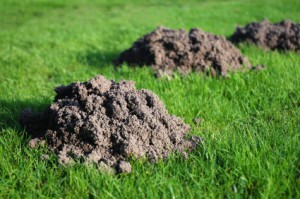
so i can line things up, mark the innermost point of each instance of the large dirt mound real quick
(107, 122)
(284, 35)
(169, 50)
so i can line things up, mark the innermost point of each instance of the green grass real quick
(251, 127)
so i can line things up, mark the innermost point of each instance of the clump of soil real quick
(106, 122)
(284, 35)
(168, 50)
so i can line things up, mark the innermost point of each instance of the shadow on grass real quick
(97, 58)
(10, 112)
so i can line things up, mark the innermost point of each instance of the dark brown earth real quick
(168, 50)
(284, 36)
(106, 122)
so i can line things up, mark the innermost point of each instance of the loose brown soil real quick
(169, 50)
(106, 122)
(283, 36)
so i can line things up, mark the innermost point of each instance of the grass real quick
(251, 120)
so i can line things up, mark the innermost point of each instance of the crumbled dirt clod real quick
(106, 122)
(168, 50)
(45, 157)
(259, 67)
(123, 167)
(284, 35)
(198, 120)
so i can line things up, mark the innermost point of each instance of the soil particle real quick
(45, 157)
(284, 35)
(106, 122)
(168, 50)
(259, 67)
(198, 120)
(123, 167)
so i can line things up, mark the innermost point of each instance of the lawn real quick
(251, 127)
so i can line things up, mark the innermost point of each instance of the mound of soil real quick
(284, 35)
(169, 50)
(106, 122)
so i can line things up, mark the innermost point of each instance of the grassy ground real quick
(251, 120)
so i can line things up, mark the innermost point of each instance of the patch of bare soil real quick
(106, 123)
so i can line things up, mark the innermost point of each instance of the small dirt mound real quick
(169, 50)
(106, 122)
(284, 35)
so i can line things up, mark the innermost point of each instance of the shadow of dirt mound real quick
(96, 58)
(10, 111)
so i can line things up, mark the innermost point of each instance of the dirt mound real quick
(107, 122)
(169, 50)
(284, 35)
